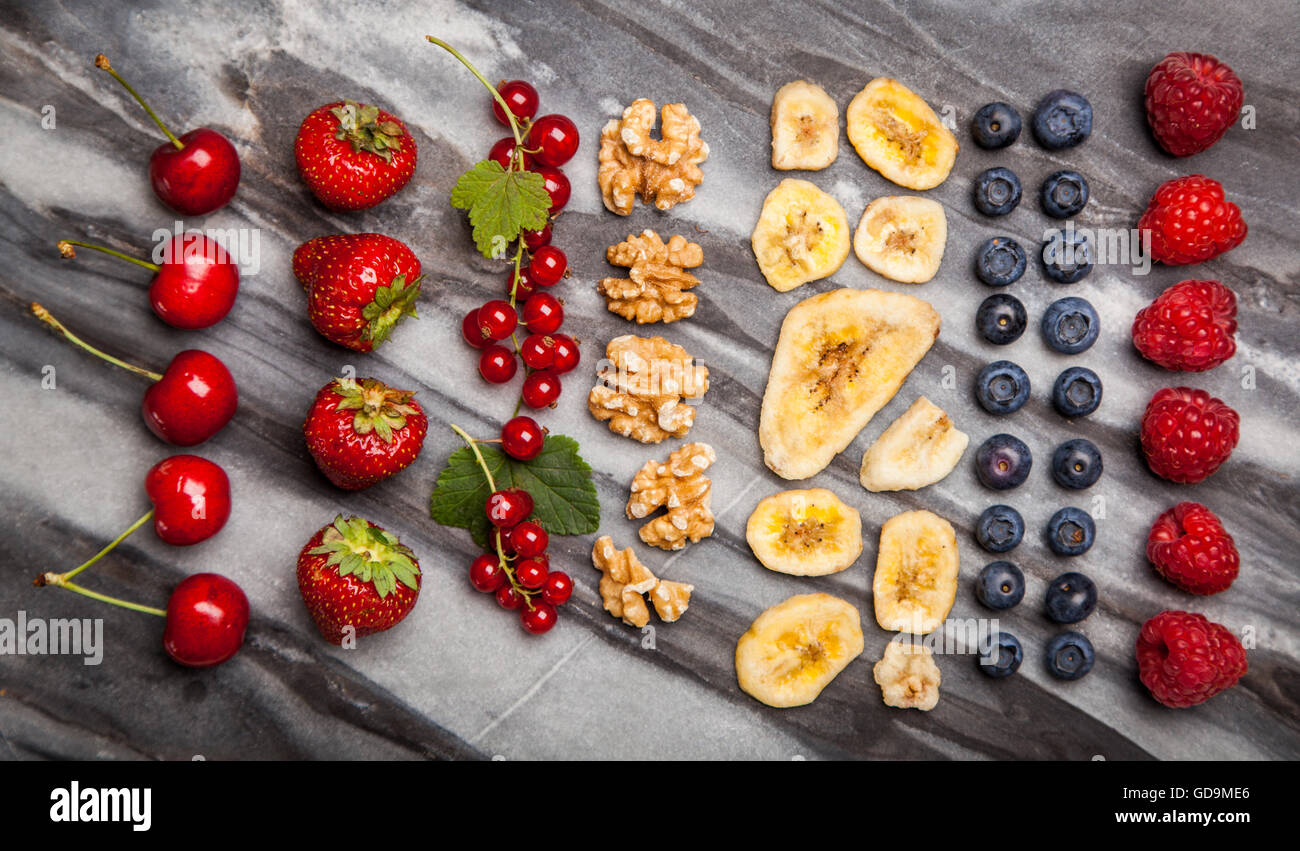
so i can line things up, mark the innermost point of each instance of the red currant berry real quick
(538, 351)
(557, 186)
(529, 540)
(566, 353)
(520, 96)
(543, 313)
(525, 286)
(471, 332)
(502, 152)
(558, 588)
(555, 137)
(497, 364)
(486, 574)
(502, 537)
(539, 619)
(506, 508)
(530, 573)
(535, 239)
(548, 266)
(541, 389)
(522, 438)
(497, 319)
(509, 598)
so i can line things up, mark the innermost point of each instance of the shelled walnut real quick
(680, 486)
(657, 281)
(663, 171)
(625, 580)
(643, 384)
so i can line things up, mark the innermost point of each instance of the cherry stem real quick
(106, 550)
(44, 315)
(65, 248)
(101, 61)
(63, 580)
(104, 598)
(505, 108)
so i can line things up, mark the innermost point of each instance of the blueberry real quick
(1067, 257)
(1070, 656)
(1002, 656)
(1002, 387)
(1001, 318)
(996, 125)
(1077, 392)
(1076, 464)
(1070, 325)
(1001, 585)
(1065, 193)
(999, 261)
(1062, 119)
(1070, 532)
(999, 528)
(997, 191)
(1003, 461)
(1071, 597)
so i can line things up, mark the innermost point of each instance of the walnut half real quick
(644, 382)
(663, 171)
(655, 289)
(625, 580)
(680, 486)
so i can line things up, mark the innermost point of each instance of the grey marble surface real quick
(459, 678)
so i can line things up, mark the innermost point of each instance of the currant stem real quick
(101, 61)
(103, 598)
(44, 315)
(510, 116)
(478, 456)
(65, 248)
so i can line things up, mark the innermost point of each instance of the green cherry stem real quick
(510, 116)
(65, 248)
(104, 598)
(63, 580)
(44, 315)
(101, 62)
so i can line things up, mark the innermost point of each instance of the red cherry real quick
(509, 598)
(555, 137)
(557, 186)
(539, 619)
(502, 152)
(525, 287)
(486, 574)
(470, 331)
(558, 588)
(522, 438)
(548, 265)
(541, 389)
(537, 351)
(207, 616)
(535, 239)
(520, 96)
(506, 508)
(529, 540)
(530, 573)
(191, 499)
(543, 313)
(566, 354)
(497, 364)
(497, 319)
(193, 400)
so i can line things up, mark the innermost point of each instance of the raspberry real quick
(1189, 327)
(1184, 659)
(1187, 434)
(1191, 99)
(1189, 547)
(1190, 221)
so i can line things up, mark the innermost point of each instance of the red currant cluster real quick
(549, 142)
(518, 571)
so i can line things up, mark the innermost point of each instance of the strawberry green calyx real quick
(392, 304)
(360, 127)
(379, 408)
(371, 554)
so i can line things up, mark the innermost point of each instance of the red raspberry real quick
(1184, 659)
(1190, 221)
(1187, 434)
(1189, 327)
(1189, 547)
(1192, 99)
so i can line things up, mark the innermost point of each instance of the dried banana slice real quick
(805, 533)
(841, 357)
(907, 676)
(902, 237)
(919, 448)
(916, 572)
(793, 650)
(805, 127)
(898, 134)
(802, 235)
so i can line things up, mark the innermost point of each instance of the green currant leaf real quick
(501, 204)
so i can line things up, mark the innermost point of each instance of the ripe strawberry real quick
(1187, 434)
(1185, 659)
(1190, 221)
(359, 286)
(1189, 547)
(1189, 327)
(362, 432)
(352, 156)
(1191, 99)
(357, 579)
